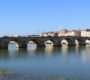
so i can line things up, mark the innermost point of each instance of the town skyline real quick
(60, 32)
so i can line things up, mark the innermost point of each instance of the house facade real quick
(69, 33)
(85, 33)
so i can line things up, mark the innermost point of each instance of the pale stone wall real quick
(83, 33)
(88, 34)
(70, 33)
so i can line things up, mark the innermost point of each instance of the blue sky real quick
(25, 17)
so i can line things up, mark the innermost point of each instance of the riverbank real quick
(8, 75)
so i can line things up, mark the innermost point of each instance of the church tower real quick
(60, 29)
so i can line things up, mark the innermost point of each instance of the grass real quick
(7, 75)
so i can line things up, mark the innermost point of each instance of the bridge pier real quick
(22, 45)
(80, 42)
(3, 45)
(40, 45)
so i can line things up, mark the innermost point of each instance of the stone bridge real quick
(21, 42)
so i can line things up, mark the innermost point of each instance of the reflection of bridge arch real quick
(64, 50)
(67, 41)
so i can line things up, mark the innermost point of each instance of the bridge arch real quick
(31, 45)
(31, 42)
(37, 42)
(49, 42)
(19, 43)
(87, 42)
(64, 42)
(67, 41)
(14, 42)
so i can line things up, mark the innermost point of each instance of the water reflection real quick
(49, 50)
(88, 49)
(86, 53)
(64, 50)
(77, 49)
(32, 50)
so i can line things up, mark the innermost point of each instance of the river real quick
(71, 62)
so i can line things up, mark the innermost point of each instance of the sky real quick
(26, 17)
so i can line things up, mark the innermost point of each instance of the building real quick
(70, 33)
(62, 32)
(51, 34)
(85, 33)
(43, 34)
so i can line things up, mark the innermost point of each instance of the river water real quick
(70, 62)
